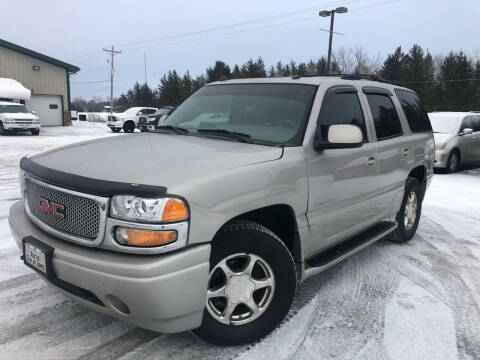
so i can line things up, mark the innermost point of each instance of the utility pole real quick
(331, 13)
(112, 70)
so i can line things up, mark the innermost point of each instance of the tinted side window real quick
(476, 123)
(414, 111)
(385, 117)
(466, 123)
(341, 108)
(150, 111)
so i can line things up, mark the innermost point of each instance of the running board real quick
(332, 256)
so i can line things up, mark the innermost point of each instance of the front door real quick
(342, 182)
(467, 143)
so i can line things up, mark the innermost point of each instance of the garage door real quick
(48, 109)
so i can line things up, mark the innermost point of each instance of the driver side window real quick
(466, 124)
(341, 106)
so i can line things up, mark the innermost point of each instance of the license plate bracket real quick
(38, 256)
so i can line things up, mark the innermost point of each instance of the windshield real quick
(133, 110)
(268, 114)
(445, 124)
(14, 109)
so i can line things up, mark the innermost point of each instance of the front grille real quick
(111, 118)
(23, 121)
(81, 215)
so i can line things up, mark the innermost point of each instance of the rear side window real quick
(414, 111)
(341, 106)
(385, 117)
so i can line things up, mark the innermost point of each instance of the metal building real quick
(46, 77)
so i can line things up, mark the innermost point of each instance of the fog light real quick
(144, 238)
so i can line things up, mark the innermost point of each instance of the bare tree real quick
(344, 60)
(364, 63)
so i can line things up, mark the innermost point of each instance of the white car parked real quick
(128, 119)
(457, 138)
(17, 117)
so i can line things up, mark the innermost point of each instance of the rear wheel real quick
(35, 132)
(129, 127)
(409, 213)
(453, 162)
(251, 285)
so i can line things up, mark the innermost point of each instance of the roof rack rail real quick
(354, 77)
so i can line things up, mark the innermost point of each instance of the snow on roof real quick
(12, 89)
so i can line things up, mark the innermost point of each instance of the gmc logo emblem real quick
(52, 208)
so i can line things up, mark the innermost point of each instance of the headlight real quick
(442, 146)
(128, 207)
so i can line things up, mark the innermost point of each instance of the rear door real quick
(395, 151)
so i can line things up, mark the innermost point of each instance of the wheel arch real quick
(281, 220)
(420, 174)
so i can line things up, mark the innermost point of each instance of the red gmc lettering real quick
(51, 208)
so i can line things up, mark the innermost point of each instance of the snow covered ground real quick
(420, 300)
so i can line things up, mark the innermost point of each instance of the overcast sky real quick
(68, 30)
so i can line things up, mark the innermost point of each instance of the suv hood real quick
(154, 159)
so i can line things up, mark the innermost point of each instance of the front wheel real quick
(453, 162)
(115, 130)
(2, 129)
(129, 127)
(251, 285)
(409, 213)
(35, 132)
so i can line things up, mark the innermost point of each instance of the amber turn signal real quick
(144, 238)
(174, 210)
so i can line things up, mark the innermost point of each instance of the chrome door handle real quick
(406, 152)
(371, 161)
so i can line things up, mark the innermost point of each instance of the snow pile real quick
(12, 89)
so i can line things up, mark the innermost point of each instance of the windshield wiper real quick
(242, 137)
(171, 128)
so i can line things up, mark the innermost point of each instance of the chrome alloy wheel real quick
(240, 289)
(410, 210)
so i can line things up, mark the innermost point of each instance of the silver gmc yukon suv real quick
(249, 187)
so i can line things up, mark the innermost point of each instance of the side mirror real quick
(467, 131)
(342, 136)
(34, 112)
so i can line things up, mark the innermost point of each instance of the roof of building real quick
(70, 68)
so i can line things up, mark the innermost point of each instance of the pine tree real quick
(219, 71)
(236, 73)
(394, 66)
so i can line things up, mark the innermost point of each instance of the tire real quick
(115, 130)
(407, 228)
(129, 127)
(2, 130)
(35, 132)
(453, 162)
(243, 241)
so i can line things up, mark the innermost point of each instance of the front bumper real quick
(164, 293)
(146, 127)
(441, 158)
(114, 124)
(20, 127)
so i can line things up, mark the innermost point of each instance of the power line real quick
(89, 82)
(262, 19)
